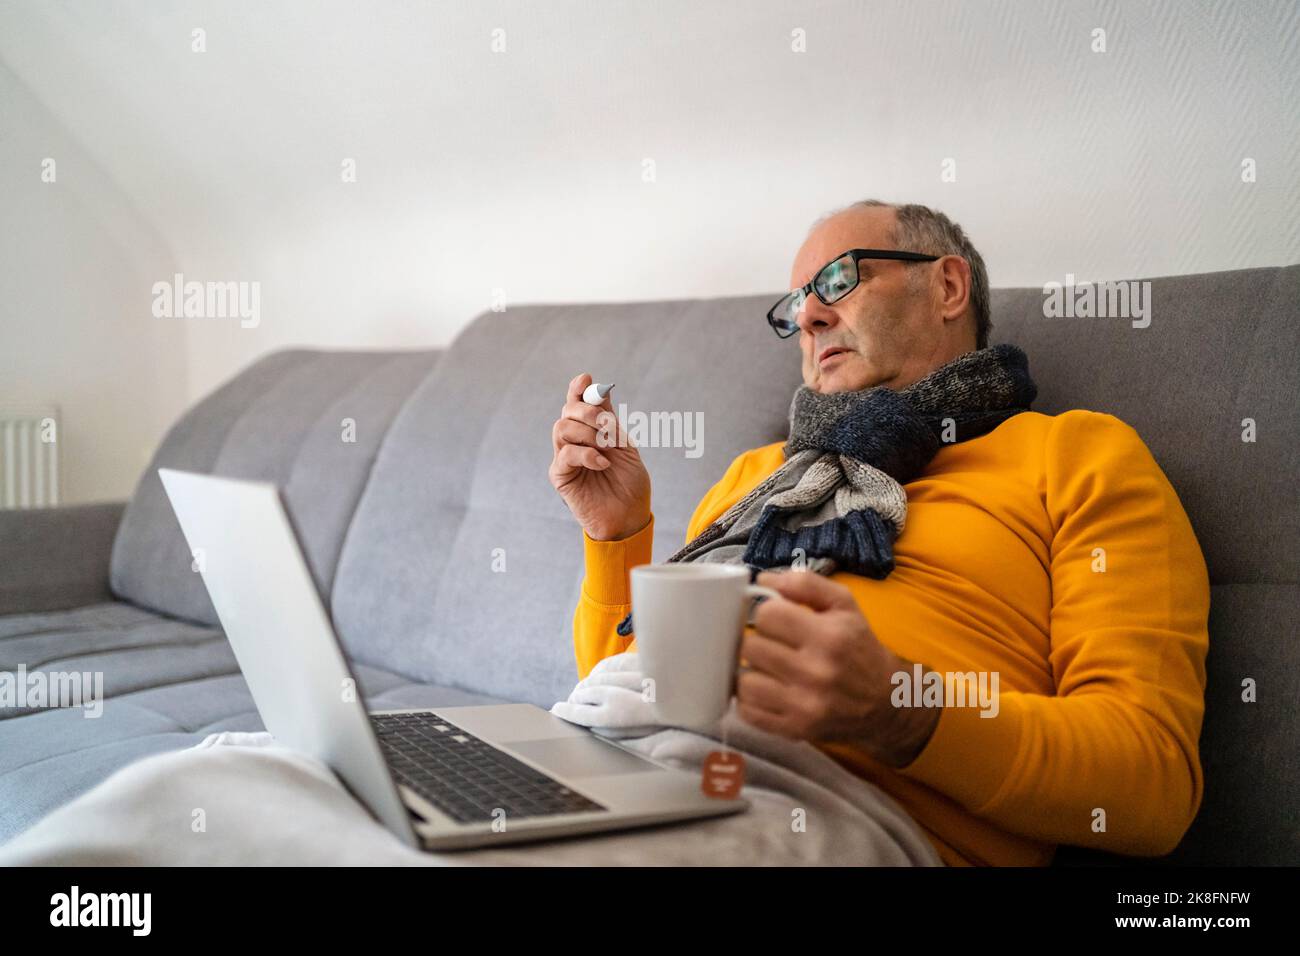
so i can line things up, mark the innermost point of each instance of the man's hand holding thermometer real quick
(596, 470)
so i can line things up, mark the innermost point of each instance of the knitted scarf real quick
(837, 502)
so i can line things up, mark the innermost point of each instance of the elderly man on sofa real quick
(951, 531)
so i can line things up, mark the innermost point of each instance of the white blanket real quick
(240, 799)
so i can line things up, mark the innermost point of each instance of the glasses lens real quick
(837, 279)
(784, 317)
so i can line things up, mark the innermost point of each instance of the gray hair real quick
(922, 229)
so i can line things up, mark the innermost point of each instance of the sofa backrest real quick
(463, 565)
(284, 419)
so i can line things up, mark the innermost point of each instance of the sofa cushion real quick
(1251, 807)
(51, 756)
(129, 647)
(281, 420)
(55, 558)
(460, 484)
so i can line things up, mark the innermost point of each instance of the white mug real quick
(688, 619)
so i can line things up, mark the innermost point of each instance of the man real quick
(1046, 555)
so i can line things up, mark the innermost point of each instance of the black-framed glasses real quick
(832, 282)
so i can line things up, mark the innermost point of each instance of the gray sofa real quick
(449, 463)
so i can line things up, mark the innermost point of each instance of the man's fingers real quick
(578, 410)
(577, 385)
(764, 720)
(760, 702)
(572, 458)
(768, 655)
(762, 692)
(786, 621)
(794, 617)
(601, 419)
(569, 432)
(809, 589)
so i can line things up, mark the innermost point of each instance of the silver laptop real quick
(441, 778)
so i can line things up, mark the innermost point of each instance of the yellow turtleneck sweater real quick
(1053, 551)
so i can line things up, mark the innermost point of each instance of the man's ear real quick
(954, 287)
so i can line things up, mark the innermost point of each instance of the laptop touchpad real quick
(580, 757)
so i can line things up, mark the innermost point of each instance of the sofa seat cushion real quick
(167, 684)
(131, 648)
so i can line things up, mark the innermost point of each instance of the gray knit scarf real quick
(837, 502)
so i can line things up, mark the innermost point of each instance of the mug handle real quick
(757, 591)
(751, 591)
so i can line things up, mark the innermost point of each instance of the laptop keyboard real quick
(465, 777)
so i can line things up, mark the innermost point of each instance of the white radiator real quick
(29, 456)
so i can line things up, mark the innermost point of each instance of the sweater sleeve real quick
(606, 594)
(1111, 762)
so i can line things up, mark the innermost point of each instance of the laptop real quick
(441, 778)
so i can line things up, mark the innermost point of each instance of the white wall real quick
(76, 262)
(523, 170)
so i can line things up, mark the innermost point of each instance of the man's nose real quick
(815, 315)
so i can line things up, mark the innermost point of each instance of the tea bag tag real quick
(723, 775)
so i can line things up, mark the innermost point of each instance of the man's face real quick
(888, 332)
